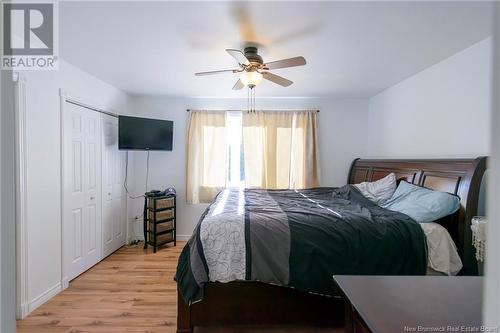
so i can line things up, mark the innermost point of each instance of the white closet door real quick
(114, 196)
(82, 189)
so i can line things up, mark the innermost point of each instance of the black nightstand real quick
(159, 220)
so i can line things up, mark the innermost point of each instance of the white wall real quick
(443, 111)
(341, 138)
(44, 167)
(491, 309)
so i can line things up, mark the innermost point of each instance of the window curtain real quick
(280, 149)
(206, 155)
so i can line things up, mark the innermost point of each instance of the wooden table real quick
(383, 304)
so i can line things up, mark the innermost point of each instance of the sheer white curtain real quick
(206, 155)
(280, 149)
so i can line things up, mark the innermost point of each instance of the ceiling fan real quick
(253, 69)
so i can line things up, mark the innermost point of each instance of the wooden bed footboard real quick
(258, 304)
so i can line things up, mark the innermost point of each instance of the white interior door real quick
(82, 189)
(114, 197)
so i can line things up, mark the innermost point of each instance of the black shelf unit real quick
(159, 220)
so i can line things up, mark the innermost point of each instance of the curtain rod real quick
(229, 110)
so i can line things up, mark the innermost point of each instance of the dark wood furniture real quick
(461, 177)
(159, 220)
(243, 302)
(254, 303)
(380, 304)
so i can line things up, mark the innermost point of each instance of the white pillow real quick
(379, 191)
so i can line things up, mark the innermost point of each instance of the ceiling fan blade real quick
(239, 56)
(290, 62)
(243, 19)
(218, 72)
(238, 85)
(276, 79)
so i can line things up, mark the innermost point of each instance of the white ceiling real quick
(353, 49)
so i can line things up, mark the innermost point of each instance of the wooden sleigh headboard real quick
(461, 177)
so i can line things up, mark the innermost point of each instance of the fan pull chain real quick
(253, 100)
(250, 99)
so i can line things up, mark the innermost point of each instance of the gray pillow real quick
(379, 191)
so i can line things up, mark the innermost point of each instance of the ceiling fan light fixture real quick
(251, 79)
(253, 69)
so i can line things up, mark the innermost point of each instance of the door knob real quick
(92, 198)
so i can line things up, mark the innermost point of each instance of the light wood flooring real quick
(132, 290)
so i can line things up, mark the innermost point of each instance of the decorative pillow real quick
(379, 191)
(422, 204)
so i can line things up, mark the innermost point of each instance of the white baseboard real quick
(44, 297)
(22, 311)
(139, 238)
(181, 238)
(65, 283)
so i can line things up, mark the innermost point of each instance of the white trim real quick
(135, 237)
(44, 297)
(22, 308)
(64, 283)
(182, 238)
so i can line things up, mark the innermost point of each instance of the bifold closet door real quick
(113, 193)
(81, 189)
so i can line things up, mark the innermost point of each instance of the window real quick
(270, 150)
(236, 166)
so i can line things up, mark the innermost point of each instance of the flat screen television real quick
(144, 134)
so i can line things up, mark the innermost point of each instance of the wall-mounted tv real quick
(144, 134)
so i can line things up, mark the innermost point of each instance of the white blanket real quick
(442, 251)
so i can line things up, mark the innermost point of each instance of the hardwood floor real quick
(130, 291)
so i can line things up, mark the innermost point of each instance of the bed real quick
(252, 302)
